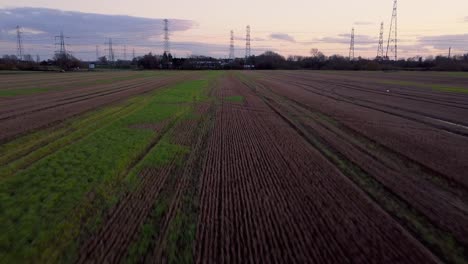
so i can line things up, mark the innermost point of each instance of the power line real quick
(380, 49)
(231, 46)
(431, 39)
(351, 46)
(19, 43)
(392, 45)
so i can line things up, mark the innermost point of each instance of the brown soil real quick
(268, 196)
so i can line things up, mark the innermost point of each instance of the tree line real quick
(269, 60)
(318, 61)
(27, 63)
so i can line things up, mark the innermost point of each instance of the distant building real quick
(208, 64)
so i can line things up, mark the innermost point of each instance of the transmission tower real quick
(19, 51)
(392, 45)
(60, 41)
(231, 46)
(97, 52)
(166, 37)
(125, 52)
(450, 52)
(110, 51)
(351, 46)
(133, 54)
(247, 45)
(380, 49)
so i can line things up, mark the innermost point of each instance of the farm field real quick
(234, 167)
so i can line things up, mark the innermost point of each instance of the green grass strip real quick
(235, 98)
(181, 231)
(41, 208)
(25, 151)
(435, 87)
(27, 91)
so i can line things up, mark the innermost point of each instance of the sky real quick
(202, 27)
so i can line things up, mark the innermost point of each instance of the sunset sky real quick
(294, 27)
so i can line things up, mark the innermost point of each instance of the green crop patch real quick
(435, 87)
(27, 91)
(42, 206)
(163, 153)
(186, 92)
(235, 98)
(145, 74)
(181, 230)
(454, 74)
(20, 153)
(449, 89)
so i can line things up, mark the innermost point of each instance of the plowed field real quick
(234, 167)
